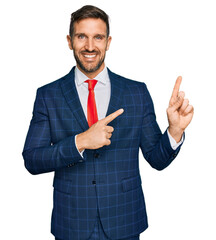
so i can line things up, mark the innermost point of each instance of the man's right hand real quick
(98, 134)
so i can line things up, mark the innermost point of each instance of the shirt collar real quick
(102, 77)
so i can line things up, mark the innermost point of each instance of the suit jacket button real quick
(93, 182)
(96, 155)
(72, 164)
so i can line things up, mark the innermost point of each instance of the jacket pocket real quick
(131, 183)
(62, 185)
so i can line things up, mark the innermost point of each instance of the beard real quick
(90, 69)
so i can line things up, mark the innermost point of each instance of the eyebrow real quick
(98, 34)
(101, 35)
(76, 34)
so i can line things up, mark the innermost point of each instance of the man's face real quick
(89, 43)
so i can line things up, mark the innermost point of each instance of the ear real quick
(108, 42)
(69, 40)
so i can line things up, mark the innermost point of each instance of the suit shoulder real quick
(130, 84)
(133, 83)
(55, 85)
(127, 81)
(52, 85)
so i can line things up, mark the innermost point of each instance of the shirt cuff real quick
(81, 153)
(173, 142)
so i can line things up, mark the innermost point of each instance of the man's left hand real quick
(179, 112)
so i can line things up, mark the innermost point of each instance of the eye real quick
(81, 36)
(99, 37)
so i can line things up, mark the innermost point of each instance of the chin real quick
(90, 68)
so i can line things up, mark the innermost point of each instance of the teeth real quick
(89, 56)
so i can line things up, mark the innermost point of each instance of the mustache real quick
(87, 51)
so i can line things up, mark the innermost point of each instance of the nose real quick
(89, 44)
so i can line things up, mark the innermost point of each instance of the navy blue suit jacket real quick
(108, 177)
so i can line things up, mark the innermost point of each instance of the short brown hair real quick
(88, 11)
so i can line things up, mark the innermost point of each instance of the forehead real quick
(90, 26)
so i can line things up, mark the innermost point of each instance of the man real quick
(88, 127)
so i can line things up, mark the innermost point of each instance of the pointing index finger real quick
(112, 116)
(176, 87)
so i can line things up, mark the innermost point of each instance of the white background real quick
(153, 42)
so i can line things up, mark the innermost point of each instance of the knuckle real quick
(181, 93)
(110, 129)
(168, 110)
(104, 142)
(179, 100)
(98, 123)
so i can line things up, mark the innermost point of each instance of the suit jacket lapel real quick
(71, 95)
(117, 89)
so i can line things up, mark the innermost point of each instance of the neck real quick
(92, 75)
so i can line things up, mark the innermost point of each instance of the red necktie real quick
(91, 108)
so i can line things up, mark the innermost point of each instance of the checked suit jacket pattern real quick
(108, 178)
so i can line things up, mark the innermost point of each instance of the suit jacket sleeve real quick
(39, 154)
(155, 146)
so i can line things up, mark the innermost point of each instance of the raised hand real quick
(179, 112)
(98, 134)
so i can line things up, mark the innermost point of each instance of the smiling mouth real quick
(89, 56)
